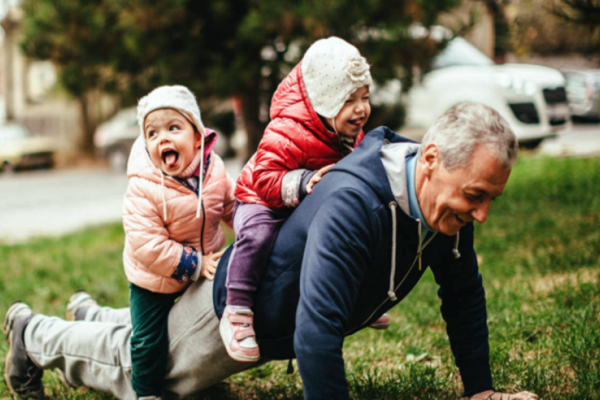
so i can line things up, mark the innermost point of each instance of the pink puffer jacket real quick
(153, 247)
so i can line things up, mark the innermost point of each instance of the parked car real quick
(20, 149)
(531, 98)
(114, 138)
(583, 92)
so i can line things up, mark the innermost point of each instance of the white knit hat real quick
(178, 98)
(332, 69)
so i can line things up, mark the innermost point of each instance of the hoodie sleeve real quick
(147, 235)
(464, 310)
(278, 154)
(337, 251)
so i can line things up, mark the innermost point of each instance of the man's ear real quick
(430, 159)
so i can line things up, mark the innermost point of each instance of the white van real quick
(531, 98)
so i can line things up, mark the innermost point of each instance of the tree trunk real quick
(87, 128)
(250, 100)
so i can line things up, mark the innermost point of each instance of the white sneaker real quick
(238, 335)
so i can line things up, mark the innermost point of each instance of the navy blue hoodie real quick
(329, 274)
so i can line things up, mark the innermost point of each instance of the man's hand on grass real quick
(317, 178)
(491, 395)
(209, 265)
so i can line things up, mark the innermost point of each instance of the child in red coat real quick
(317, 116)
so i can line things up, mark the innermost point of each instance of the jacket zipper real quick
(398, 286)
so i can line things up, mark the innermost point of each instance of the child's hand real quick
(317, 178)
(209, 265)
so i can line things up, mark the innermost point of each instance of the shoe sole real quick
(74, 305)
(236, 357)
(379, 327)
(7, 366)
(14, 309)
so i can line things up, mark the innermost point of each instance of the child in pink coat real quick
(178, 193)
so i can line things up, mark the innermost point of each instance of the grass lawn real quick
(540, 259)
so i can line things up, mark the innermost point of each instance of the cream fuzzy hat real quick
(332, 69)
(177, 97)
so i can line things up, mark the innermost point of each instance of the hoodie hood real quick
(393, 157)
(367, 165)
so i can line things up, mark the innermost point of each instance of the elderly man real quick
(354, 248)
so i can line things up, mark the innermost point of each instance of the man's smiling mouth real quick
(460, 220)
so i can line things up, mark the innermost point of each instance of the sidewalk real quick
(56, 202)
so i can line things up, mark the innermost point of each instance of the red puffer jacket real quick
(294, 139)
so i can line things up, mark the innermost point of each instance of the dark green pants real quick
(150, 339)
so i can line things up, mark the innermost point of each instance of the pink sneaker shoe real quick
(238, 335)
(382, 323)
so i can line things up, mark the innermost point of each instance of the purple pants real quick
(256, 227)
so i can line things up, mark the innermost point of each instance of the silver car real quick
(583, 92)
(115, 137)
(20, 149)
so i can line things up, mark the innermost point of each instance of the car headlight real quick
(516, 85)
(100, 137)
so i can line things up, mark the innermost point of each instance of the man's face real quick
(451, 199)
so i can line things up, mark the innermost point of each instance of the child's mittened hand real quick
(209, 265)
(317, 178)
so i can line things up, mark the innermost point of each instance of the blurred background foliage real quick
(553, 27)
(220, 48)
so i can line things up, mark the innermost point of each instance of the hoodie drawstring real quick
(455, 249)
(162, 190)
(391, 292)
(200, 180)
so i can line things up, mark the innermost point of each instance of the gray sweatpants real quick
(95, 352)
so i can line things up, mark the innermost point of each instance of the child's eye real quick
(173, 128)
(151, 134)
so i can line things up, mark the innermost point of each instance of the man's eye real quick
(473, 196)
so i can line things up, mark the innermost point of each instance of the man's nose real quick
(480, 212)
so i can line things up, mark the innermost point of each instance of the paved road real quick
(582, 141)
(46, 203)
(43, 203)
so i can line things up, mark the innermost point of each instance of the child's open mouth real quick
(356, 122)
(170, 158)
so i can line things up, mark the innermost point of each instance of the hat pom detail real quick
(357, 69)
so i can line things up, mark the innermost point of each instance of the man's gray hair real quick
(459, 130)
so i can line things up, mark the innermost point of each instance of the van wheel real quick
(530, 144)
